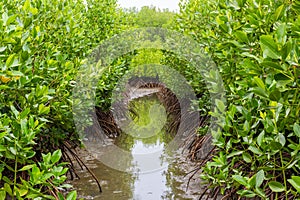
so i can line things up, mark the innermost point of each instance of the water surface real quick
(150, 171)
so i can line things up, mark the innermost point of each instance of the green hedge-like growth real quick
(256, 45)
(42, 44)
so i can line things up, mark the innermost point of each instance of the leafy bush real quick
(256, 46)
(42, 44)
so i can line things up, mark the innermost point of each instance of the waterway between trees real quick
(150, 172)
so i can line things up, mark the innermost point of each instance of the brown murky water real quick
(151, 171)
(168, 183)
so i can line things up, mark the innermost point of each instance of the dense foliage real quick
(133, 18)
(256, 45)
(42, 44)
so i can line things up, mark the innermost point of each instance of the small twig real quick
(207, 187)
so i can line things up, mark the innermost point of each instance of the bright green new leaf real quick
(26, 167)
(259, 83)
(56, 156)
(279, 12)
(242, 36)
(10, 60)
(295, 182)
(26, 5)
(240, 179)
(7, 189)
(2, 195)
(72, 195)
(276, 186)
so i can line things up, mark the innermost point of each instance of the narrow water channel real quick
(153, 173)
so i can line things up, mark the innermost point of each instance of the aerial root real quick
(81, 163)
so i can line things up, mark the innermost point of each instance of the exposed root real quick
(81, 163)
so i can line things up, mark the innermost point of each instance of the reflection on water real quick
(153, 172)
(150, 184)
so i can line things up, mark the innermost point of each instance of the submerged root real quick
(69, 151)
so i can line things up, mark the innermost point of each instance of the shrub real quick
(42, 44)
(256, 46)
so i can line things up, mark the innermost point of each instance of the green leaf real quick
(246, 193)
(295, 182)
(260, 176)
(4, 18)
(11, 19)
(26, 167)
(282, 139)
(240, 179)
(46, 176)
(251, 181)
(255, 150)
(246, 127)
(34, 11)
(26, 5)
(7, 180)
(281, 33)
(46, 158)
(68, 186)
(72, 195)
(259, 83)
(296, 129)
(235, 153)
(282, 77)
(260, 138)
(269, 47)
(247, 157)
(286, 50)
(260, 192)
(275, 146)
(10, 60)
(2, 49)
(275, 95)
(270, 64)
(44, 109)
(22, 191)
(279, 12)
(8, 189)
(56, 156)
(60, 196)
(242, 36)
(13, 150)
(17, 73)
(260, 92)
(220, 105)
(2, 195)
(2, 147)
(276, 186)
(24, 113)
